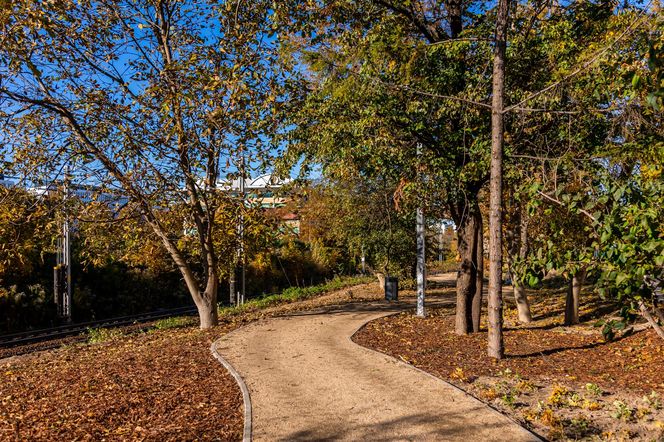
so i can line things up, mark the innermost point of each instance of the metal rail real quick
(34, 336)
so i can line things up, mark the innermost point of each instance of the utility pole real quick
(231, 285)
(62, 271)
(67, 262)
(240, 229)
(421, 279)
(237, 293)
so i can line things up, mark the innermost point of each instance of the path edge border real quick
(461, 390)
(246, 397)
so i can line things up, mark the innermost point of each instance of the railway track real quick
(63, 331)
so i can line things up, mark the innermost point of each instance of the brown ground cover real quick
(155, 386)
(564, 382)
(556, 354)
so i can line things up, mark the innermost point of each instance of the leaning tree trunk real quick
(466, 284)
(205, 301)
(646, 314)
(522, 304)
(207, 310)
(573, 297)
(659, 313)
(495, 339)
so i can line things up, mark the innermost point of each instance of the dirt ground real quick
(564, 382)
(160, 385)
(152, 386)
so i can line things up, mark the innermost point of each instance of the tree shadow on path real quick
(455, 426)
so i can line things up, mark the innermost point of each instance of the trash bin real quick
(391, 288)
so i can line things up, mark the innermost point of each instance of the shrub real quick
(99, 335)
(559, 396)
(299, 293)
(653, 401)
(594, 389)
(622, 411)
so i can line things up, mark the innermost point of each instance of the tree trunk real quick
(522, 304)
(495, 339)
(208, 315)
(465, 284)
(573, 297)
(659, 313)
(381, 280)
(520, 297)
(570, 313)
(479, 274)
(467, 225)
(207, 301)
(646, 314)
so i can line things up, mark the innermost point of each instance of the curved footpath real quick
(309, 381)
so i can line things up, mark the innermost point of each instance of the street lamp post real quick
(241, 232)
(421, 279)
(237, 294)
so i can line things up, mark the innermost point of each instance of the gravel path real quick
(309, 381)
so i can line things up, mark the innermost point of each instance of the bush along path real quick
(309, 381)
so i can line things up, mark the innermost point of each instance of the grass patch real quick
(174, 322)
(99, 335)
(293, 294)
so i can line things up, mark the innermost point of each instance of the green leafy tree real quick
(386, 83)
(354, 218)
(27, 231)
(147, 96)
(628, 242)
(595, 128)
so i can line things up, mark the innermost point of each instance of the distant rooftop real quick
(262, 182)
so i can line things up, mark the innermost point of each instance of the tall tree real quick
(147, 96)
(356, 217)
(594, 130)
(496, 346)
(371, 57)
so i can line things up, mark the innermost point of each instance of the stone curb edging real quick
(246, 398)
(412, 367)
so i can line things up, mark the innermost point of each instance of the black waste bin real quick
(391, 288)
